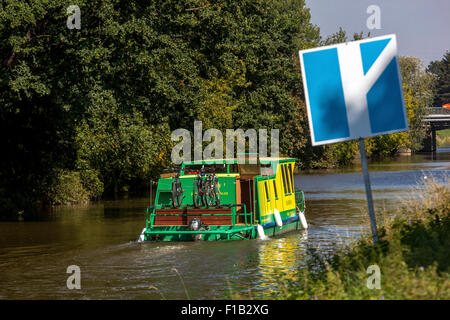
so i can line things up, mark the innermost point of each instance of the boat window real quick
(234, 168)
(267, 192)
(291, 174)
(218, 167)
(275, 189)
(288, 180)
(266, 169)
(249, 169)
(284, 178)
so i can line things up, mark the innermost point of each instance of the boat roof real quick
(262, 160)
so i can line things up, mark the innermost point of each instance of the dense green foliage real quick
(98, 104)
(102, 100)
(68, 187)
(122, 147)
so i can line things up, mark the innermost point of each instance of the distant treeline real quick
(89, 112)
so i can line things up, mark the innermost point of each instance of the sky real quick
(422, 26)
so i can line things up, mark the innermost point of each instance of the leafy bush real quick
(68, 188)
(120, 146)
(92, 183)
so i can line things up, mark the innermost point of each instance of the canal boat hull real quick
(220, 233)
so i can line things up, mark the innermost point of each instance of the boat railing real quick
(151, 213)
(300, 200)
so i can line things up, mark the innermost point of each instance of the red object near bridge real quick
(446, 106)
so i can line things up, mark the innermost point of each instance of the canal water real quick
(100, 238)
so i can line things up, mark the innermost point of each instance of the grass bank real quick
(443, 137)
(412, 255)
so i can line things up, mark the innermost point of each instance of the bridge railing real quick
(434, 110)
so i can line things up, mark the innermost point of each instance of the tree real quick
(441, 70)
(122, 147)
(98, 103)
(37, 131)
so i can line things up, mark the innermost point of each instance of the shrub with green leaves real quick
(121, 146)
(68, 188)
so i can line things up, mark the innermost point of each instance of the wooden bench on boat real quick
(173, 217)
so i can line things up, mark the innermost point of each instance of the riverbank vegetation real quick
(443, 137)
(89, 112)
(412, 256)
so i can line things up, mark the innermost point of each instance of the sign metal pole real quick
(373, 222)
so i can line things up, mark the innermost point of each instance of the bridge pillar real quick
(433, 139)
(429, 143)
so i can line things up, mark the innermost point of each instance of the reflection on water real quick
(281, 256)
(101, 239)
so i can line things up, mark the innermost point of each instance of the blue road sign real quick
(353, 90)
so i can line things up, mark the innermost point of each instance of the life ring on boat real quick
(277, 217)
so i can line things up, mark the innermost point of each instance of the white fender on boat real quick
(277, 216)
(301, 214)
(261, 234)
(142, 236)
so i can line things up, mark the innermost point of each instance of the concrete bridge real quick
(436, 119)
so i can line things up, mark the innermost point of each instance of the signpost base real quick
(373, 222)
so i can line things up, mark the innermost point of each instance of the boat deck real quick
(181, 217)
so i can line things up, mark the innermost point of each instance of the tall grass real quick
(442, 141)
(412, 253)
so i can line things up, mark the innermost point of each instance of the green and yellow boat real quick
(227, 199)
